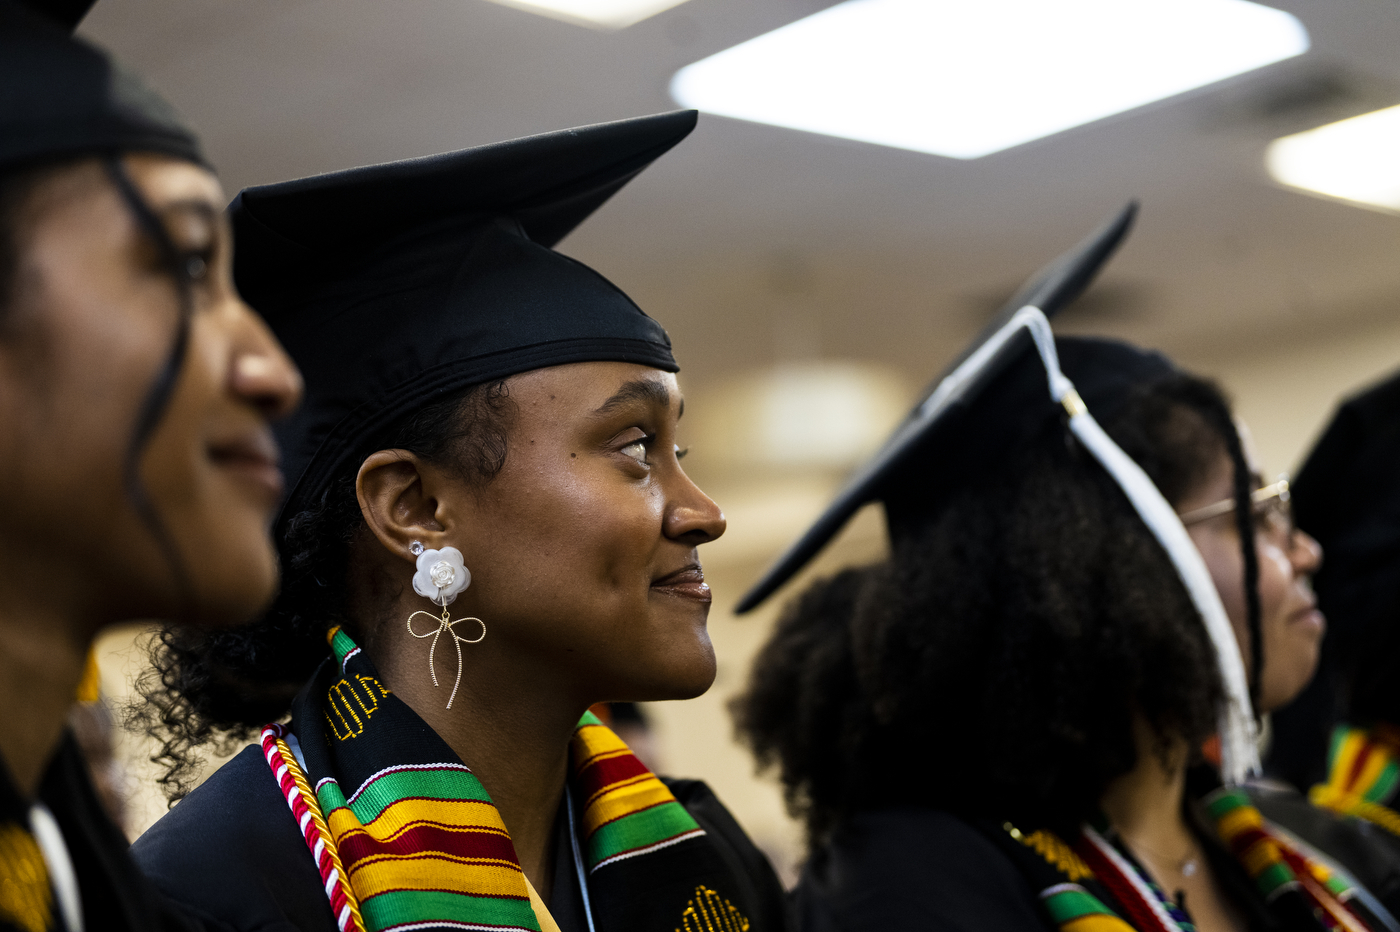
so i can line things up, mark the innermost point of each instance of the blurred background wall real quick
(812, 284)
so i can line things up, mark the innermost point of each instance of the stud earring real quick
(441, 576)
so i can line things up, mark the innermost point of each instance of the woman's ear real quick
(396, 500)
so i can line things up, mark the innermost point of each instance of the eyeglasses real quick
(1272, 511)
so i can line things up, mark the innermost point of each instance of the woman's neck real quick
(1145, 804)
(508, 725)
(1146, 808)
(40, 669)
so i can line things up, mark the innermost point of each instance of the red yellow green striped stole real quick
(26, 899)
(1079, 880)
(627, 811)
(1069, 892)
(1280, 868)
(419, 844)
(1074, 909)
(1363, 775)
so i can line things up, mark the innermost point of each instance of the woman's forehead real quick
(598, 387)
(168, 181)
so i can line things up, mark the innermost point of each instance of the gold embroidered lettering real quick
(707, 911)
(349, 704)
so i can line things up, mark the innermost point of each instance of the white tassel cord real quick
(1238, 745)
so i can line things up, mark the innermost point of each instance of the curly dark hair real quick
(216, 687)
(994, 664)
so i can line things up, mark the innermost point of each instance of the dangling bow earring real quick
(441, 576)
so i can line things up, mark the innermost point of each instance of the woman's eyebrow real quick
(204, 209)
(644, 390)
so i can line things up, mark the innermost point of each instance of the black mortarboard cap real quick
(932, 452)
(61, 97)
(395, 285)
(1011, 385)
(1346, 495)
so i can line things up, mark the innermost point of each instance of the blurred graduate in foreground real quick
(140, 472)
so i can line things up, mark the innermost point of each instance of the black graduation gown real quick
(113, 893)
(925, 869)
(1368, 852)
(231, 854)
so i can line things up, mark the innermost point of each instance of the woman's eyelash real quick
(648, 441)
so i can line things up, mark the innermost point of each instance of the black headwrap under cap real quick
(394, 285)
(61, 97)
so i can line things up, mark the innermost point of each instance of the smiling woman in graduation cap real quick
(488, 531)
(1001, 726)
(140, 471)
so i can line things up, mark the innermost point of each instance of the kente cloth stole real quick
(1290, 878)
(26, 898)
(1074, 899)
(406, 837)
(1363, 775)
(1094, 886)
(26, 895)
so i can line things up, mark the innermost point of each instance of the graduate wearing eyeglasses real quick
(1039, 712)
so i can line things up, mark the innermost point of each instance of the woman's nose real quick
(263, 374)
(693, 516)
(1305, 553)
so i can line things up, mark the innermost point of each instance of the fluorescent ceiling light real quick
(826, 414)
(965, 78)
(1355, 160)
(609, 14)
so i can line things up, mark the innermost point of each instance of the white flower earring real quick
(441, 576)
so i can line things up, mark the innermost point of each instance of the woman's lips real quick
(688, 583)
(1310, 617)
(253, 457)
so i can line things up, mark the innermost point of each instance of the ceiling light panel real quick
(1355, 160)
(965, 79)
(606, 14)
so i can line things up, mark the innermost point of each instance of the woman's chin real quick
(1284, 689)
(235, 599)
(678, 678)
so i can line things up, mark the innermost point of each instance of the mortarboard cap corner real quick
(1050, 290)
(66, 14)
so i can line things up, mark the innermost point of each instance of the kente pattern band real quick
(1281, 870)
(1094, 884)
(1142, 899)
(1074, 909)
(420, 844)
(627, 811)
(26, 899)
(1070, 894)
(1363, 775)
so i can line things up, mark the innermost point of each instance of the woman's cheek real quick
(1226, 565)
(1275, 576)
